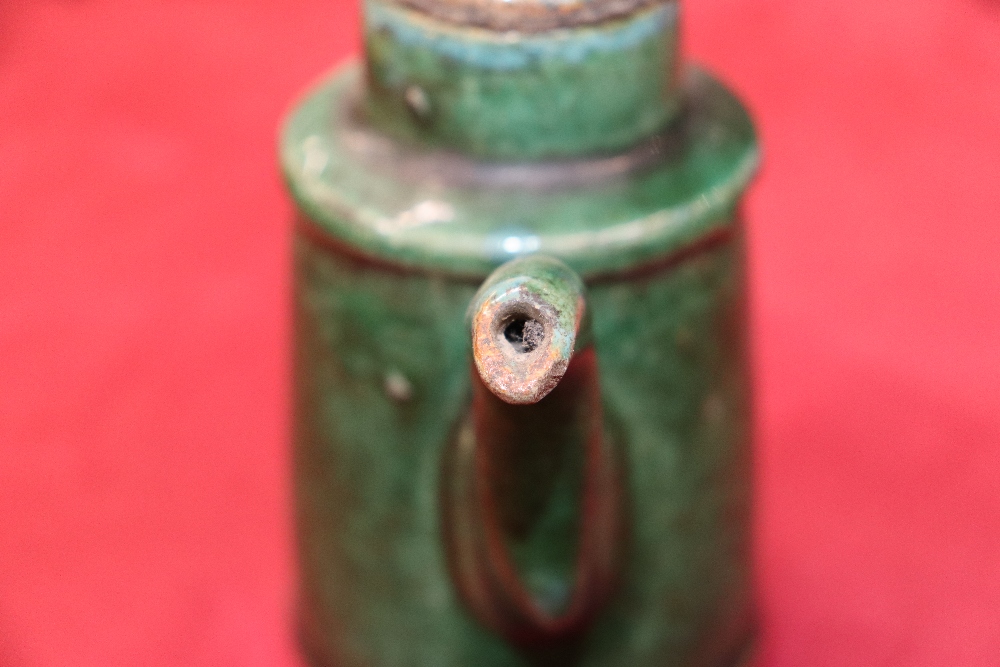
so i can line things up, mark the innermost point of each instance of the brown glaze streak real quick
(704, 244)
(712, 240)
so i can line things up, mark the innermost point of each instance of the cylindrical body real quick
(393, 237)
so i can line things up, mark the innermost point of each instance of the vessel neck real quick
(521, 80)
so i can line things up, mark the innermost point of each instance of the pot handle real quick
(530, 470)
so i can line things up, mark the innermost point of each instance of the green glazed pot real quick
(522, 398)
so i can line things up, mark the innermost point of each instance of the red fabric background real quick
(143, 331)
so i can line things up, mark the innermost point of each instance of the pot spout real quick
(534, 502)
(528, 319)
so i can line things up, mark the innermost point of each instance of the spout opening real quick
(522, 329)
(524, 334)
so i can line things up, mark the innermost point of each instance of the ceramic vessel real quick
(521, 386)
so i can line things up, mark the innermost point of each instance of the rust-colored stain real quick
(519, 374)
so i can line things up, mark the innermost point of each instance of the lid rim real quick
(527, 15)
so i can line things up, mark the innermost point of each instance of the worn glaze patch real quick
(525, 320)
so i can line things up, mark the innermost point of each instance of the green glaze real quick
(533, 503)
(429, 210)
(442, 519)
(508, 94)
(382, 386)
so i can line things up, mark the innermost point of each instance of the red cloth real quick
(143, 278)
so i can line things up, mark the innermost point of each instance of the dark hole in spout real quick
(524, 334)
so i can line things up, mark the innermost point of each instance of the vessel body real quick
(393, 237)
